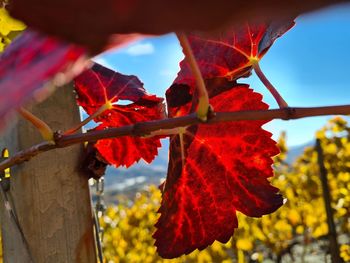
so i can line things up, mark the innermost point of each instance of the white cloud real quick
(103, 60)
(139, 49)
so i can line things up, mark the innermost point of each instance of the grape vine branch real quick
(145, 128)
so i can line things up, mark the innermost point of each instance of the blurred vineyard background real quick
(297, 232)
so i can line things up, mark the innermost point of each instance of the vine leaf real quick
(230, 53)
(149, 17)
(31, 62)
(99, 86)
(226, 169)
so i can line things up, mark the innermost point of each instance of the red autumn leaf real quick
(179, 95)
(229, 54)
(89, 23)
(98, 86)
(217, 170)
(32, 61)
(127, 150)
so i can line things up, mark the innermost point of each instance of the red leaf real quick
(229, 53)
(32, 61)
(90, 23)
(99, 85)
(179, 96)
(225, 168)
(127, 150)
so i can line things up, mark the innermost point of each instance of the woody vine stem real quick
(145, 128)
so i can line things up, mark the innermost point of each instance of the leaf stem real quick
(97, 113)
(142, 128)
(281, 102)
(44, 129)
(182, 146)
(165, 132)
(203, 98)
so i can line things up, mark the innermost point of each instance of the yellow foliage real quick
(8, 24)
(128, 234)
(128, 229)
(345, 252)
(244, 244)
(9, 28)
(293, 216)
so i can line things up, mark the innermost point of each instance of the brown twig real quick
(145, 128)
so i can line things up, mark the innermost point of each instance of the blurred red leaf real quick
(32, 61)
(89, 23)
(224, 168)
(229, 53)
(99, 85)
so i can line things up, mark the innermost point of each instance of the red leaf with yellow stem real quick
(232, 52)
(100, 86)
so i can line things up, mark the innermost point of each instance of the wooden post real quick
(50, 196)
(332, 232)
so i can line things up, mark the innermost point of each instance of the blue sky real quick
(309, 65)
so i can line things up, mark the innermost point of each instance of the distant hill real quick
(128, 181)
(295, 151)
